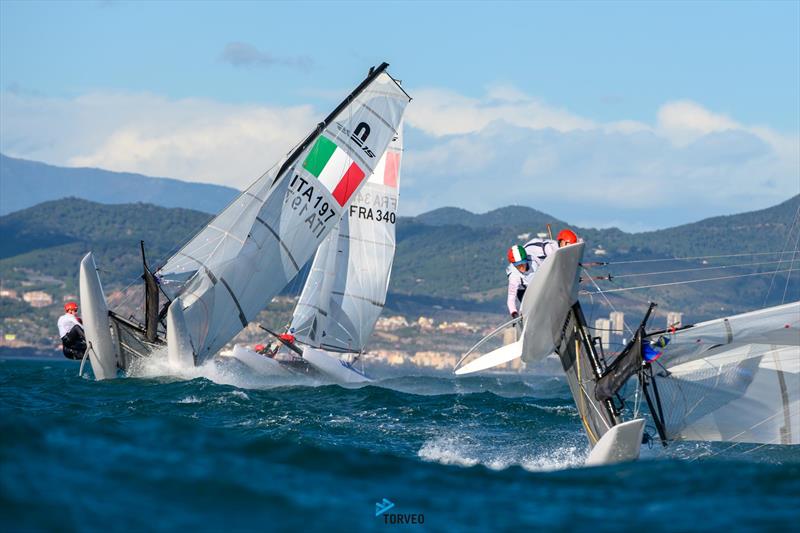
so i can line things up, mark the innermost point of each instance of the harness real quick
(541, 245)
(541, 256)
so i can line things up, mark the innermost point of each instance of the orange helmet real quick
(287, 337)
(567, 235)
(70, 306)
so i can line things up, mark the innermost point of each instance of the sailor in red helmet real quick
(525, 260)
(70, 328)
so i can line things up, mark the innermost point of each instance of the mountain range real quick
(447, 258)
(26, 183)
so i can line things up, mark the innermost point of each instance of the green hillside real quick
(446, 259)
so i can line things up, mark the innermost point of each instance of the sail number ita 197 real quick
(316, 210)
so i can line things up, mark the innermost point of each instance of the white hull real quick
(263, 366)
(497, 357)
(179, 345)
(333, 367)
(100, 345)
(620, 444)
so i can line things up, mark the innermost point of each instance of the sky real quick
(640, 115)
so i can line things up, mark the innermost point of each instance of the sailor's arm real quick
(513, 286)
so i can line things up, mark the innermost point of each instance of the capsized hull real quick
(262, 365)
(333, 367)
(620, 444)
(100, 345)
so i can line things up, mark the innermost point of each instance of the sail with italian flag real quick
(232, 268)
(334, 168)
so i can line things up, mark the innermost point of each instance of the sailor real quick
(525, 261)
(70, 327)
(267, 350)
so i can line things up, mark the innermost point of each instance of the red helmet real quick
(70, 306)
(258, 347)
(567, 235)
(287, 337)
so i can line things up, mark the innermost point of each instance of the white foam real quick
(447, 451)
(227, 372)
(463, 451)
(190, 399)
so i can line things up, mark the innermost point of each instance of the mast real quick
(150, 300)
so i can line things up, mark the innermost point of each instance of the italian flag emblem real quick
(517, 254)
(334, 169)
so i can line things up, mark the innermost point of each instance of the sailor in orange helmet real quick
(70, 329)
(525, 261)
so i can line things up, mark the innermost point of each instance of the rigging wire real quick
(602, 293)
(741, 265)
(689, 281)
(695, 257)
(791, 266)
(785, 245)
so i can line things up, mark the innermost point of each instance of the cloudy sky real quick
(638, 115)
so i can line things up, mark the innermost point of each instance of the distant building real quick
(390, 357)
(391, 323)
(438, 360)
(70, 298)
(599, 251)
(8, 293)
(509, 335)
(455, 327)
(524, 236)
(674, 319)
(38, 298)
(425, 323)
(542, 235)
(617, 322)
(602, 328)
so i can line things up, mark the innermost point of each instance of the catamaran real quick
(227, 273)
(734, 379)
(346, 288)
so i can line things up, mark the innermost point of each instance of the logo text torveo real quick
(382, 508)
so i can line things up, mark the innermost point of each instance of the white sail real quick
(232, 268)
(735, 379)
(774, 325)
(346, 288)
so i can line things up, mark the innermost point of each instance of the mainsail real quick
(735, 379)
(346, 287)
(233, 267)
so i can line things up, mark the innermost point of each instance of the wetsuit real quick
(73, 341)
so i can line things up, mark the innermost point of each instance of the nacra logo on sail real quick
(359, 136)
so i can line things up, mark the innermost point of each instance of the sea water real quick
(219, 449)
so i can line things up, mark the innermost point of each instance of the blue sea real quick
(221, 451)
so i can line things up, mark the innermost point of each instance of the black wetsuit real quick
(74, 343)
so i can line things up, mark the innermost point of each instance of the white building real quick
(38, 298)
(602, 328)
(617, 322)
(674, 319)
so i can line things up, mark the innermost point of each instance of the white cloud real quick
(440, 112)
(480, 153)
(191, 139)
